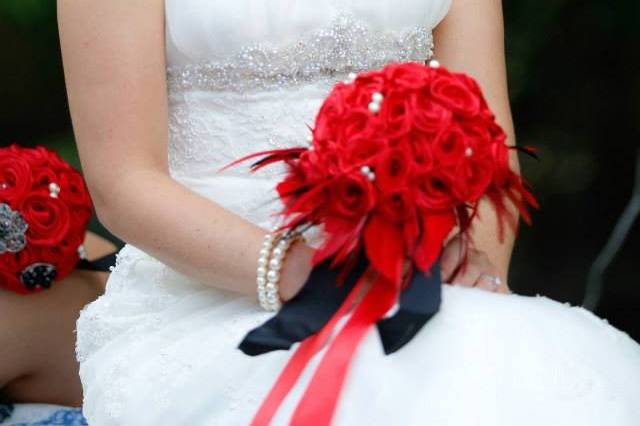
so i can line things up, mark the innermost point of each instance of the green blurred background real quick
(574, 69)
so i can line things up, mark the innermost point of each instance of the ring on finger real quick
(493, 279)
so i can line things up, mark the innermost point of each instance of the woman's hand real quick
(478, 272)
(295, 271)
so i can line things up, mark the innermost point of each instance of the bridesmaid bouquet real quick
(44, 210)
(399, 157)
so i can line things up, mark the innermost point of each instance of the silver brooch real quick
(13, 230)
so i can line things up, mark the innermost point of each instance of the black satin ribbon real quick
(320, 298)
(306, 313)
(102, 264)
(418, 303)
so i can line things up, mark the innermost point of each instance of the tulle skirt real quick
(161, 349)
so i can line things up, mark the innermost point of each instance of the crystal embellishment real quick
(13, 230)
(344, 47)
(38, 275)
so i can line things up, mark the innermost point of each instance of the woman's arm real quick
(471, 39)
(114, 62)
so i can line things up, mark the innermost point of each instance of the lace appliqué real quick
(97, 325)
(209, 131)
(347, 45)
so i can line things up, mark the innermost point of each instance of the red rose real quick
(48, 219)
(393, 167)
(432, 190)
(429, 115)
(473, 87)
(455, 95)
(39, 156)
(421, 148)
(73, 189)
(358, 95)
(478, 134)
(364, 149)
(328, 117)
(63, 255)
(42, 177)
(397, 206)
(352, 196)
(472, 179)
(365, 85)
(410, 75)
(15, 177)
(80, 216)
(397, 114)
(15, 264)
(450, 146)
(357, 125)
(332, 162)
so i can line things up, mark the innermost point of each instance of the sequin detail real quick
(346, 46)
(13, 230)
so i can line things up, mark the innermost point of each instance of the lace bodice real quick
(243, 77)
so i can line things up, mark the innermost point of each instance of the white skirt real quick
(160, 349)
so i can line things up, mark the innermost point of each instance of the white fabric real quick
(159, 348)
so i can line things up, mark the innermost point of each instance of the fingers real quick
(451, 258)
(478, 271)
(489, 282)
(475, 271)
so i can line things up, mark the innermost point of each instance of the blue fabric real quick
(5, 412)
(40, 415)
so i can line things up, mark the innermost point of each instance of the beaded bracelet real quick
(272, 255)
(261, 273)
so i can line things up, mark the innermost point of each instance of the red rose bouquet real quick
(399, 157)
(44, 210)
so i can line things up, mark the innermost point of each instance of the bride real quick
(162, 94)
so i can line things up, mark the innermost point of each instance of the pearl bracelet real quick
(274, 250)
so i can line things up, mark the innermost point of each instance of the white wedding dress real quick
(161, 349)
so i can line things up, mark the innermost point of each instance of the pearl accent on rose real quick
(366, 170)
(376, 102)
(351, 77)
(468, 152)
(54, 190)
(434, 63)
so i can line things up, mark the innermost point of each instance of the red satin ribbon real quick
(320, 399)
